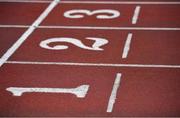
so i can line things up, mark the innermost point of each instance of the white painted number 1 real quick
(98, 42)
(78, 13)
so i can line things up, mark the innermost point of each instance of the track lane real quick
(142, 92)
(154, 49)
(149, 16)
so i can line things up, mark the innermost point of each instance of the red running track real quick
(149, 83)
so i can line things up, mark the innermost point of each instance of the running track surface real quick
(126, 53)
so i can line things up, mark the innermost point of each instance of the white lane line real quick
(79, 91)
(127, 45)
(110, 28)
(96, 28)
(96, 2)
(95, 64)
(15, 26)
(114, 93)
(26, 1)
(27, 33)
(136, 14)
(118, 2)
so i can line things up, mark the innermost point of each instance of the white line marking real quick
(95, 2)
(14, 26)
(136, 15)
(109, 28)
(97, 28)
(118, 2)
(127, 46)
(114, 93)
(27, 33)
(79, 91)
(96, 64)
(27, 1)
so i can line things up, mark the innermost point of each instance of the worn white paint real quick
(96, 64)
(96, 46)
(127, 46)
(136, 14)
(27, 33)
(113, 95)
(80, 91)
(80, 13)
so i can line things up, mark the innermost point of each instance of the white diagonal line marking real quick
(127, 45)
(136, 15)
(114, 93)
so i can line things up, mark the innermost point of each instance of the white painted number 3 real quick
(78, 13)
(96, 45)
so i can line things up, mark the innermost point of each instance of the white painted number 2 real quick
(96, 45)
(78, 13)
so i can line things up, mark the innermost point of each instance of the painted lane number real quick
(79, 91)
(96, 46)
(80, 13)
